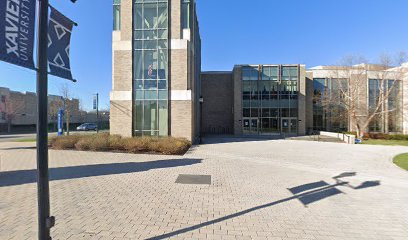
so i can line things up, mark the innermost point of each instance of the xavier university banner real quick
(59, 38)
(17, 22)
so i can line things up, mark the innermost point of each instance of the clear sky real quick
(311, 32)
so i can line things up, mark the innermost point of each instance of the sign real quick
(95, 103)
(60, 122)
(59, 40)
(17, 26)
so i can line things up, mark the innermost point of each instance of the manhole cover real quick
(194, 179)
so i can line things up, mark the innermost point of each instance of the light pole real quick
(96, 107)
(45, 221)
(201, 118)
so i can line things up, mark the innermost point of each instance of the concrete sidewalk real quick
(267, 189)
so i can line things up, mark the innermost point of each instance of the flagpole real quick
(45, 222)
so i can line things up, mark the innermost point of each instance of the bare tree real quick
(350, 93)
(65, 92)
(54, 107)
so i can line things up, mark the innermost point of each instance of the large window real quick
(250, 73)
(394, 106)
(270, 99)
(150, 68)
(116, 15)
(388, 117)
(329, 112)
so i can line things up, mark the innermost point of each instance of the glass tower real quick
(150, 66)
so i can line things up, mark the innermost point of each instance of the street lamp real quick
(45, 221)
(201, 118)
(96, 107)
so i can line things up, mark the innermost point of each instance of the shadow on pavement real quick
(306, 194)
(18, 148)
(14, 178)
(215, 139)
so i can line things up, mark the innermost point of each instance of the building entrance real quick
(270, 126)
(289, 126)
(251, 126)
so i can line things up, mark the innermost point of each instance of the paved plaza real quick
(266, 189)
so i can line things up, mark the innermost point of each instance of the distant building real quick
(18, 110)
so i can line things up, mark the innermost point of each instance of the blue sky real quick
(312, 32)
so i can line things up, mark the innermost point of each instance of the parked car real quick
(87, 127)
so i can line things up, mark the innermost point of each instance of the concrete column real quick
(121, 95)
(237, 81)
(405, 104)
(309, 100)
(175, 19)
(302, 101)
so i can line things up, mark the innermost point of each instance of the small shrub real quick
(400, 137)
(96, 142)
(173, 146)
(106, 142)
(64, 142)
(83, 144)
(138, 144)
(116, 142)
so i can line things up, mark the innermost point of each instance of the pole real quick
(97, 112)
(45, 222)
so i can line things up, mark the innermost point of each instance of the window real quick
(267, 101)
(394, 104)
(250, 73)
(150, 62)
(3, 99)
(270, 73)
(116, 15)
(185, 14)
(389, 106)
(329, 112)
(289, 73)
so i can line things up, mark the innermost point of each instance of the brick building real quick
(19, 109)
(159, 89)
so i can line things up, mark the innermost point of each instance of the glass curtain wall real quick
(150, 65)
(116, 15)
(329, 114)
(270, 99)
(374, 89)
(394, 106)
(319, 114)
(390, 119)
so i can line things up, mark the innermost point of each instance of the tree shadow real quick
(20, 177)
(306, 194)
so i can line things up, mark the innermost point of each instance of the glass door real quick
(289, 126)
(251, 126)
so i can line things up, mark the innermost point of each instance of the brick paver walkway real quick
(260, 190)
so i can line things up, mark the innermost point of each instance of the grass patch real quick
(385, 142)
(115, 143)
(402, 161)
(26, 140)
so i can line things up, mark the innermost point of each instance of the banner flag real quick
(59, 40)
(17, 26)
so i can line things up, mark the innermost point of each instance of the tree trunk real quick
(9, 126)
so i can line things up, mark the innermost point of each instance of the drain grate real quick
(194, 179)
